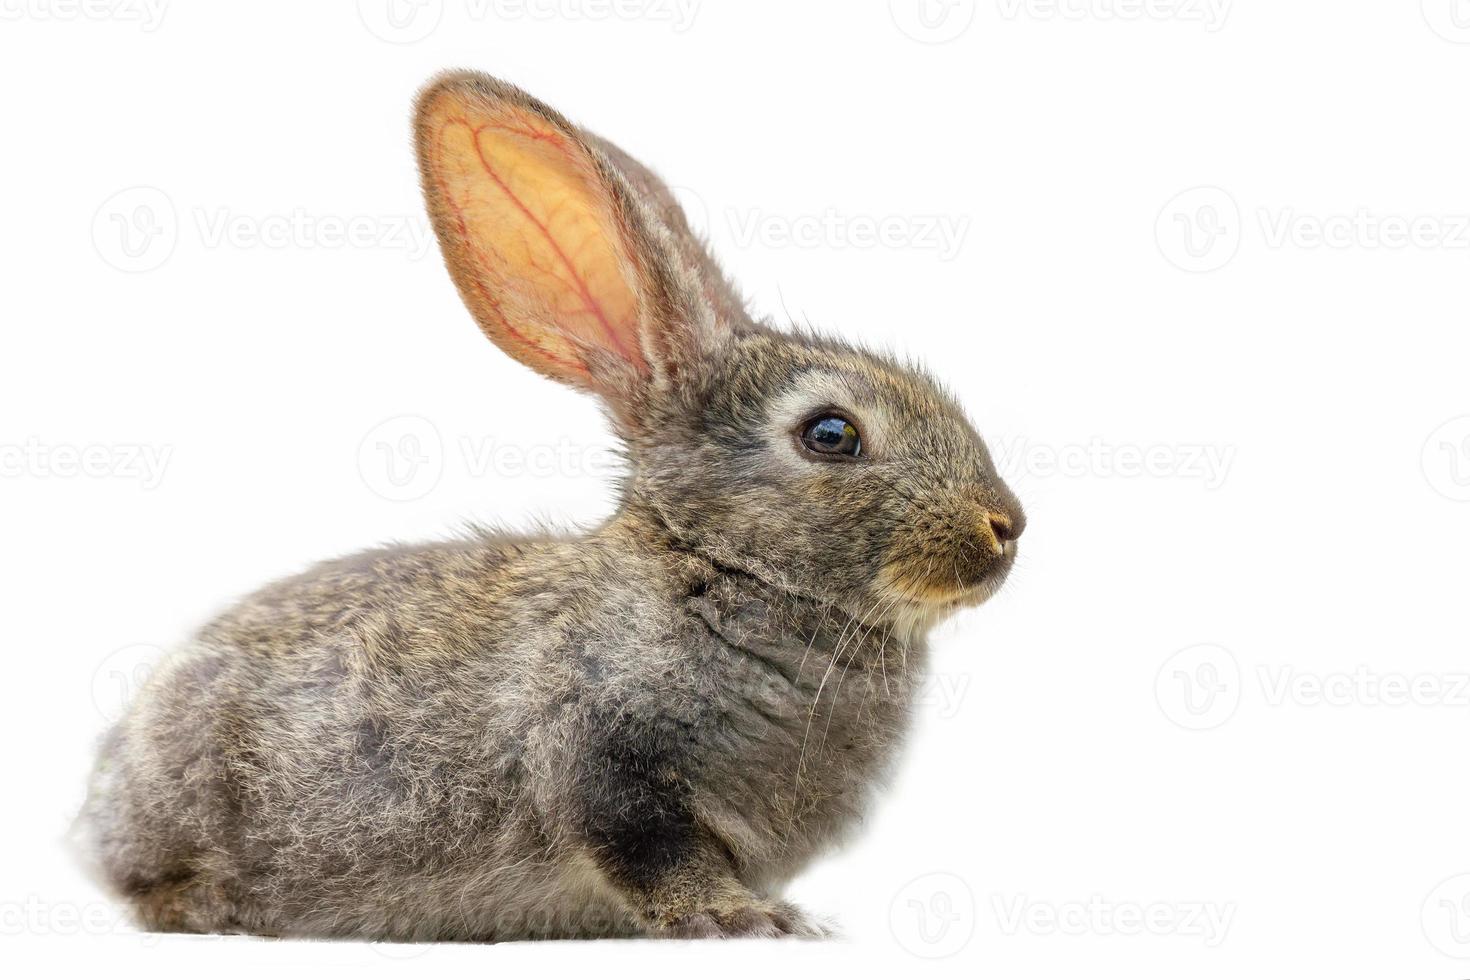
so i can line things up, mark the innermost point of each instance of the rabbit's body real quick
(422, 743)
(644, 730)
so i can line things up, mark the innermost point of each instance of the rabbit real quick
(644, 730)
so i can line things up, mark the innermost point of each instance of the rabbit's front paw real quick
(757, 920)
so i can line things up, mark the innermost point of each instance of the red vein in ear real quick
(594, 307)
(447, 196)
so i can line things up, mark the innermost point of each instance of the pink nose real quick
(1005, 527)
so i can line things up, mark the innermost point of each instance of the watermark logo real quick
(1445, 917)
(136, 229)
(119, 677)
(1445, 459)
(932, 21)
(1199, 229)
(1198, 688)
(400, 21)
(402, 458)
(1450, 19)
(933, 916)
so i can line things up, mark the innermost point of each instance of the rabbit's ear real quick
(720, 292)
(552, 252)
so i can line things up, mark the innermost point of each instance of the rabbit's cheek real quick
(948, 556)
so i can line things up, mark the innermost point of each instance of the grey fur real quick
(644, 730)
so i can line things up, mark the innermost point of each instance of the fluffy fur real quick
(644, 730)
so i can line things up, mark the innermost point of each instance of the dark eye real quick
(832, 435)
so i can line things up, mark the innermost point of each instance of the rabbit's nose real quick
(1005, 527)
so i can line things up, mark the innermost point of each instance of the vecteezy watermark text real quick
(410, 21)
(1201, 229)
(1362, 687)
(1200, 687)
(124, 461)
(943, 234)
(1099, 916)
(1205, 463)
(404, 457)
(300, 228)
(147, 14)
(138, 228)
(1211, 14)
(1363, 228)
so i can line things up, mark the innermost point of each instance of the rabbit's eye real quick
(832, 435)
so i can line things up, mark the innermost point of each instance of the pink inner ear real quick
(620, 335)
(533, 238)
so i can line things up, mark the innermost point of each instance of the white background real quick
(1198, 270)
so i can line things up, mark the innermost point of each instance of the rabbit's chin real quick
(980, 592)
(925, 604)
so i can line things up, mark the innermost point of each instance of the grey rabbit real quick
(642, 730)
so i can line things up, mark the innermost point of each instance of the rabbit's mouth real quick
(967, 577)
(952, 551)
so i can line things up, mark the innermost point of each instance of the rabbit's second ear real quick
(541, 236)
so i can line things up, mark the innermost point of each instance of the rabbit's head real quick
(832, 472)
